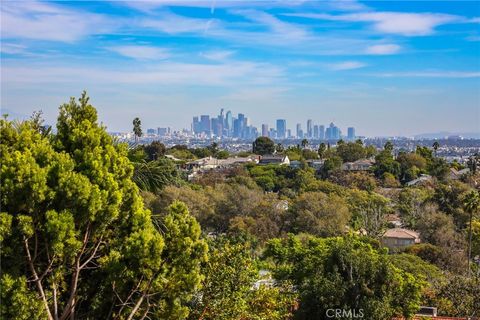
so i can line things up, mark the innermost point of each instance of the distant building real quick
(229, 123)
(151, 131)
(274, 159)
(272, 133)
(457, 174)
(321, 132)
(299, 131)
(359, 165)
(315, 132)
(315, 164)
(205, 124)
(163, 131)
(236, 128)
(332, 132)
(420, 180)
(210, 163)
(264, 130)
(309, 128)
(281, 128)
(351, 133)
(196, 125)
(398, 238)
(241, 124)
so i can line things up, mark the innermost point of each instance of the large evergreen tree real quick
(76, 240)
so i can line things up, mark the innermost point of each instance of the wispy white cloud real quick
(166, 73)
(141, 52)
(174, 24)
(275, 25)
(473, 38)
(44, 21)
(12, 48)
(430, 74)
(217, 55)
(249, 94)
(347, 65)
(152, 5)
(407, 24)
(383, 49)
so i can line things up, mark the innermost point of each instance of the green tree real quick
(449, 198)
(137, 128)
(38, 123)
(227, 291)
(330, 165)
(350, 151)
(321, 150)
(344, 273)
(74, 225)
(384, 163)
(154, 150)
(411, 205)
(213, 148)
(438, 229)
(388, 146)
(438, 168)
(476, 237)
(279, 148)
(359, 180)
(411, 165)
(263, 145)
(222, 154)
(319, 214)
(304, 143)
(435, 146)
(471, 203)
(473, 163)
(154, 175)
(369, 211)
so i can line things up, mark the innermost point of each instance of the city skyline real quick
(229, 126)
(390, 68)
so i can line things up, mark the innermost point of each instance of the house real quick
(234, 161)
(399, 238)
(315, 164)
(457, 174)
(420, 180)
(295, 164)
(169, 156)
(203, 164)
(394, 219)
(209, 163)
(359, 165)
(274, 159)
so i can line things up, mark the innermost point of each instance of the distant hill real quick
(445, 134)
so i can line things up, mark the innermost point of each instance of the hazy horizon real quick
(386, 68)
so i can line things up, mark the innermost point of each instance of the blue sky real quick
(385, 67)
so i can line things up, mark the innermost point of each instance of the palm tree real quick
(321, 150)
(435, 147)
(137, 128)
(279, 148)
(304, 143)
(388, 146)
(471, 205)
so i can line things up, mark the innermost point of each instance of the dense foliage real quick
(90, 229)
